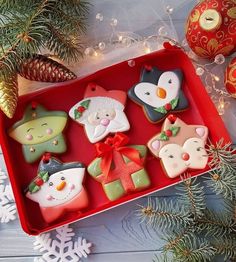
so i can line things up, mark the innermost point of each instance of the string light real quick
(127, 39)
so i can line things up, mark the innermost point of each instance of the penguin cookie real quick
(58, 188)
(40, 131)
(159, 93)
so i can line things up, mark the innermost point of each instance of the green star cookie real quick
(40, 131)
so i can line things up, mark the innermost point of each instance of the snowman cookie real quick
(40, 131)
(101, 112)
(180, 146)
(159, 93)
(58, 188)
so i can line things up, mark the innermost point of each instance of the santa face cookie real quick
(58, 188)
(180, 146)
(159, 93)
(40, 131)
(101, 112)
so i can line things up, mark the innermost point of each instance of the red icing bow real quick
(118, 142)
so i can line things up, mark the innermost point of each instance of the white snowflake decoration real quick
(62, 249)
(7, 206)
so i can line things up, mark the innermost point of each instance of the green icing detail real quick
(44, 176)
(174, 103)
(77, 114)
(142, 152)
(141, 179)
(175, 130)
(114, 190)
(163, 137)
(33, 188)
(42, 148)
(162, 110)
(85, 103)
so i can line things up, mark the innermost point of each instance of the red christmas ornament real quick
(168, 107)
(81, 109)
(210, 28)
(39, 181)
(230, 77)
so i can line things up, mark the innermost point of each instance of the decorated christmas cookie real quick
(58, 188)
(101, 112)
(40, 131)
(159, 93)
(180, 146)
(119, 167)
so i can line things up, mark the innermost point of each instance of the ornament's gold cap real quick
(210, 20)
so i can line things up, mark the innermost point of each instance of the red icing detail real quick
(34, 105)
(148, 67)
(172, 118)
(94, 90)
(38, 181)
(46, 157)
(168, 107)
(234, 73)
(81, 109)
(79, 202)
(168, 133)
(185, 156)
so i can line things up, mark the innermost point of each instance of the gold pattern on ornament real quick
(232, 12)
(194, 16)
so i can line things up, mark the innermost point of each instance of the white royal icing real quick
(147, 92)
(171, 156)
(49, 196)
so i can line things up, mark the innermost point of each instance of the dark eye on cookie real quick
(50, 184)
(107, 114)
(98, 117)
(147, 93)
(170, 81)
(62, 178)
(199, 149)
(171, 156)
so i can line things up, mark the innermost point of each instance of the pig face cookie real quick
(58, 188)
(159, 93)
(101, 112)
(180, 146)
(40, 131)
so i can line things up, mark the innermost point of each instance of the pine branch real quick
(217, 225)
(191, 195)
(164, 214)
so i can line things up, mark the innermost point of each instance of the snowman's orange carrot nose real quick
(61, 186)
(161, 92)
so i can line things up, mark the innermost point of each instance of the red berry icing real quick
(38, 181)
(172, 118)
(168, 107)
(168, 133)
(81, 109)
(185, 156)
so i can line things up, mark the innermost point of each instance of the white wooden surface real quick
(116, 234)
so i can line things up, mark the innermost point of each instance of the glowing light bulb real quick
(217, 79)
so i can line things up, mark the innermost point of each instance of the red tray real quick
(63, 96)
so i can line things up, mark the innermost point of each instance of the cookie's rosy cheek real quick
(175, 165)
(29, 137)
(49, 131)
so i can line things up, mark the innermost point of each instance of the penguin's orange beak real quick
(161, 92)
(61, 186)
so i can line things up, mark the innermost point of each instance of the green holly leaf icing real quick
(161, 110)
(175, 130)
(163, 137)
(77, 114)
(33, 188)
(174, 103)
(44, 176)
(85, 103)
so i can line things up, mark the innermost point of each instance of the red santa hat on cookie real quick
(96, 97)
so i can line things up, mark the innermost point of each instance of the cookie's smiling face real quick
(39, 130)
(157, 95)
(61, 187)
(177, 159)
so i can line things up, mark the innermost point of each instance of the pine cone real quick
(9, 95)
(44, 69)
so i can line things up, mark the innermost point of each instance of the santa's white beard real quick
(118, 124)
